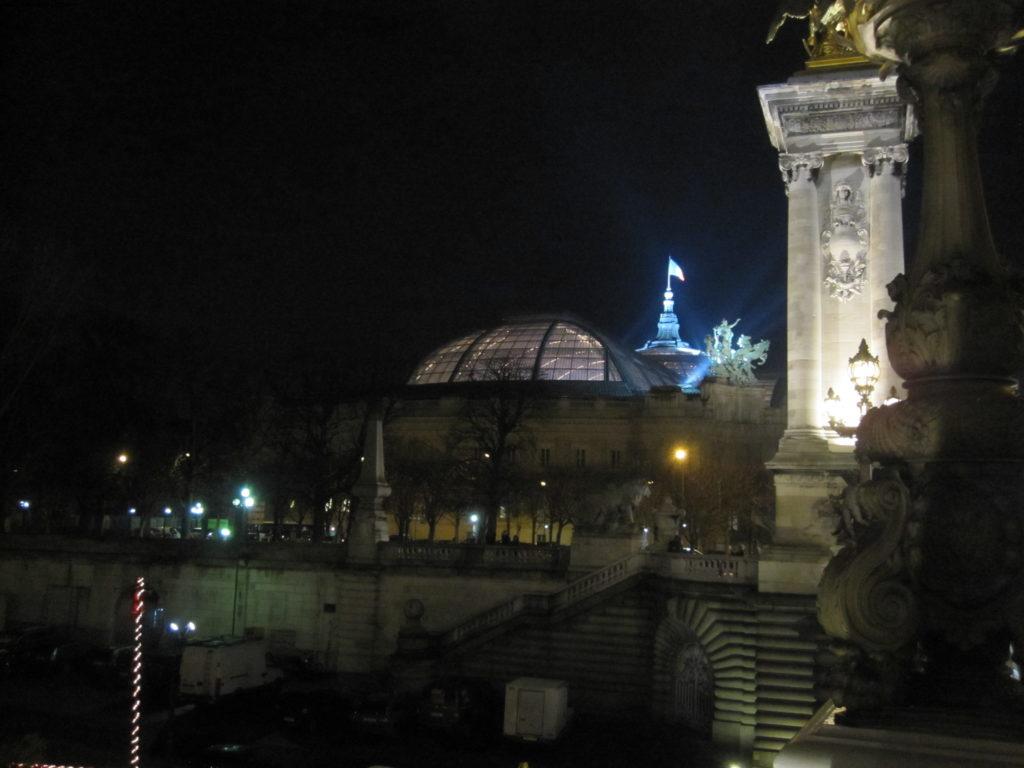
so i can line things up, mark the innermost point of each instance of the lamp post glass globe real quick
(679, 454)
(122, 458)
(864, 373)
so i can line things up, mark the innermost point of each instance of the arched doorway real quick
(693, 689)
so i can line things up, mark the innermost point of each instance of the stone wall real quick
(300, 596)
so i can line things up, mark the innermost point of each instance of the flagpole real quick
(668, 277)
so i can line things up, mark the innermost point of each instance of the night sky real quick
(370, 179)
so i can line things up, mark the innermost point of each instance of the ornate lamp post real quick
(864, 373)
(679, 457)
(928, 595)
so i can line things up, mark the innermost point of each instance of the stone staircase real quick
(788, 646)
(603, 653)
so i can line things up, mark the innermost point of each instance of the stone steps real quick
(784, 674)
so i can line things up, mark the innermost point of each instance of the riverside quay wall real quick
(300, 597)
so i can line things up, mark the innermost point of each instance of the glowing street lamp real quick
(833, 409)
(864, 373)
(679, 455)
(122, 458)
(245, 500)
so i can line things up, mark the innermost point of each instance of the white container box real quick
(535, 709)
(220, 666)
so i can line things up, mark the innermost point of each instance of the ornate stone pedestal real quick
(842, 139)
(924, 604)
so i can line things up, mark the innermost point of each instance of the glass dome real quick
(555, 349)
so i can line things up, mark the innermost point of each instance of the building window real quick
(581, 457)
(616, 458)
(545, 457)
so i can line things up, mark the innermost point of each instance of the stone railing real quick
(716, 568)
(291, 554)
(686, 567)
(447, 555)
(573, 593)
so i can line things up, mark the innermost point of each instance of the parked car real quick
(109, 667)
(245, 756)
(13, 643)
(299, 664)
(316, 712)
(460, 704)
(384, 713)
(41, 649)
(241, 718)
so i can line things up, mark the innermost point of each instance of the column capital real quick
(886, 160)
(800, 167)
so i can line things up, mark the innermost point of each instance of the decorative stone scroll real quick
(882, 160)
(802, 167)
(844, 244)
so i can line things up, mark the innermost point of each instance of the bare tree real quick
(493, 432)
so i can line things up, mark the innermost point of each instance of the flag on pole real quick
(674, 270)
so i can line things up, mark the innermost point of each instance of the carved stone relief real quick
(844, 244)
(834, 122)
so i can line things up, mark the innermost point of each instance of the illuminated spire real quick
(668, 323)
(668, 349)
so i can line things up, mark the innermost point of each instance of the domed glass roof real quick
(557, 349)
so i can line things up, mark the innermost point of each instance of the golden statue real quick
(833, 38)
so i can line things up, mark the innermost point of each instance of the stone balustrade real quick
(683, 566)
(716, 568)
(449, 555)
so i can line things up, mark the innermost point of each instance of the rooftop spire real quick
(668, 323)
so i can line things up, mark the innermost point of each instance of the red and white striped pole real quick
(138, 609)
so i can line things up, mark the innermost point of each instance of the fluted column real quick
(803, 307)
(885, 167)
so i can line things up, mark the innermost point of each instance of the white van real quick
(222, 665)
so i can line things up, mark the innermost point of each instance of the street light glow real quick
(122, 458)
(474, 518)
(174, 626)
(679, 454)
(249, 502)
(167, 510)
(24, 503)
(246, 493)
(225, 533)
(191, 626)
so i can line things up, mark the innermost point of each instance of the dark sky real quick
(377, 177)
